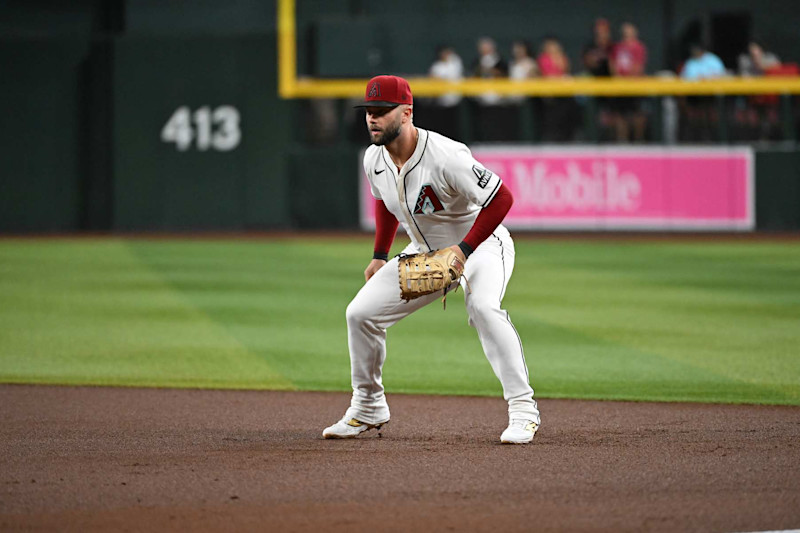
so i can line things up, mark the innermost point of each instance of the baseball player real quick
(444, 198)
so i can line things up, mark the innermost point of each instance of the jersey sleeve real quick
(470, 178)
(366, 163)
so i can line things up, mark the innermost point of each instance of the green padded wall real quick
(157, 185)
(40, 137)
(777, 190)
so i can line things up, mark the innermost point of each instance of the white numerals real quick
(217, 129)
(228, 135)
(178, 129)
(202, 119)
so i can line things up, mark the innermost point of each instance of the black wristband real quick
(466, 248)
(383, 256)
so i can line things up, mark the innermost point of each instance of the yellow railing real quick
(290, 86)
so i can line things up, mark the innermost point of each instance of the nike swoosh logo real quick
(379, 171)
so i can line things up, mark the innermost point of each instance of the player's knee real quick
(482, 310)
(355, 313)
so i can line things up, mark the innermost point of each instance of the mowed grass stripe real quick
(89, 312)
(285, 301)
(709, 311)
(626, 320)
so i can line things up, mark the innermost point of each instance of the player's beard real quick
(389, 134)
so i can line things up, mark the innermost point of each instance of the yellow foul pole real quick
(287, 49)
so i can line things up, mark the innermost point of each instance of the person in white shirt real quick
(522, 67)
(757, 61)
(448, 66)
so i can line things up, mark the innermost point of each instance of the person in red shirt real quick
(552, 60)
(558, 114)
(628, 59)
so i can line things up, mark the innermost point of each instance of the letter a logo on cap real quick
(375, 90)
(386, 91)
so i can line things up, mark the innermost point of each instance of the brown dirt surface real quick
(88, 459)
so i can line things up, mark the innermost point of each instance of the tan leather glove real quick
(422, 274)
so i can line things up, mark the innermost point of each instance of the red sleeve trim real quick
(490, 217)
(385, 228)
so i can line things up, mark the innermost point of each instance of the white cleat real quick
(519, 431)
(350, 428)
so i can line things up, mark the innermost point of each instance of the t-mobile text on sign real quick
(626, 188)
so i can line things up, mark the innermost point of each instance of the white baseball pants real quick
(378, 305)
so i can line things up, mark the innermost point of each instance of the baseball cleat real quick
(349, 428)
(519, 431)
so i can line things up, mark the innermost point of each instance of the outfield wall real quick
(150, 133)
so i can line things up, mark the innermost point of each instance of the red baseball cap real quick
(387, 91)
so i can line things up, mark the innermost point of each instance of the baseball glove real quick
(422, 274)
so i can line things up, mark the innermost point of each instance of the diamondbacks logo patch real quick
(483, 176)
(375, 90)
(427, 201)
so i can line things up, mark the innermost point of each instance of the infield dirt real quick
(83, 459)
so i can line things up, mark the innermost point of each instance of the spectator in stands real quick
(522, 66)
(701, 115)
(757, 61)
(702, 64)
(758, 115)
(495, 119)
(629, 56)
(443, 115)
(595, 63)
(448, 66)
(596, 53)
(628, 59)
(489, 64)
(558, 114)
(552, 60)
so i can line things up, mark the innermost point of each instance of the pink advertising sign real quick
(620, 188)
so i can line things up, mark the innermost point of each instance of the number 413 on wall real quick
(217, 129)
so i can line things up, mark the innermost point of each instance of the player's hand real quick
(459, 253)
(373, 267)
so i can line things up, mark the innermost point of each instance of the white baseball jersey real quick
(437, 197)
(437, 194)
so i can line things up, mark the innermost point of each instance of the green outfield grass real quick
(696, 321)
